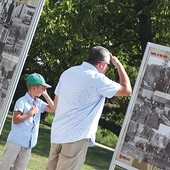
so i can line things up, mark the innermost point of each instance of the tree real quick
(67, 31)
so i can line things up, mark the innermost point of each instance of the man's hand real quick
(114, 60)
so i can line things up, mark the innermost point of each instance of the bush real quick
(103, 136)
(106, 137)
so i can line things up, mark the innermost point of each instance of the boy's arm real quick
(19, 117)
(50, 106)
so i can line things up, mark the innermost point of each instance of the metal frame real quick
(152, 50)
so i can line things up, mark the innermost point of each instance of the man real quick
(79, 101)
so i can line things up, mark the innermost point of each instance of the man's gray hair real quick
(97, 54)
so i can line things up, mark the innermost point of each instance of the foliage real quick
(106, 137)
(67, 31)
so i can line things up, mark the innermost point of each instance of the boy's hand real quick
(45, 92)
(33, 110)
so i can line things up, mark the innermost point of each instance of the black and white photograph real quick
(32, 3)
(149, 128)
(7, 68)
(147, 141)
(18, 22)
(15, 20)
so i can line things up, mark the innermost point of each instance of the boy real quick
(25, 123)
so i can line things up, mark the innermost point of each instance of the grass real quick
(97, 158)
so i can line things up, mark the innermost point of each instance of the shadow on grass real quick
(97, 157)
(43, 144)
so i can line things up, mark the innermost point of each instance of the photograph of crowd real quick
(147, 139)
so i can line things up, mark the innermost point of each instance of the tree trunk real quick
(145, 29)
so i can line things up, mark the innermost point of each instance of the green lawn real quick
(97, 157)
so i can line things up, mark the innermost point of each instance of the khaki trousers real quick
(15, 155)
(67, 156)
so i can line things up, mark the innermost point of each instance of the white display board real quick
(18, 22)
(144, 140)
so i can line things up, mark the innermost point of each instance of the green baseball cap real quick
(36, 79)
